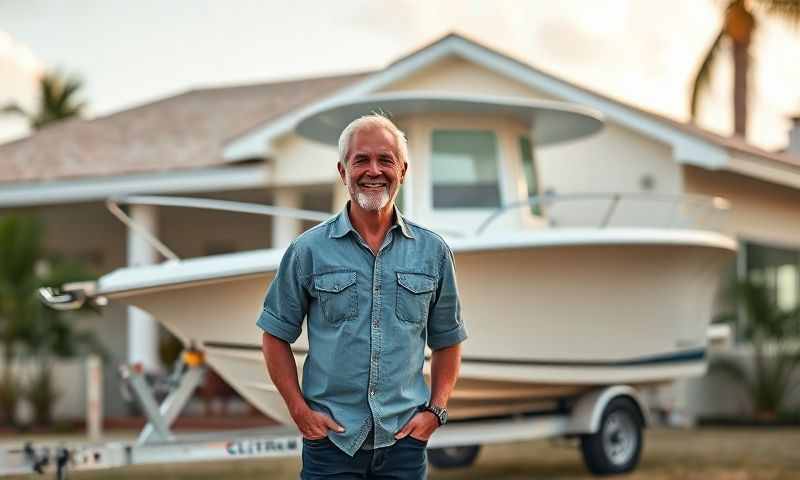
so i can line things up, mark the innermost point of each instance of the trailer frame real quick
(157, 443)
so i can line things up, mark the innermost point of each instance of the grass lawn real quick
(707, 454)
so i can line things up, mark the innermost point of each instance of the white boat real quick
(579, 292)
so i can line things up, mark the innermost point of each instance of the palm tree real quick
(738, 27)
(57, 100)
(774, 334)
(27, 327)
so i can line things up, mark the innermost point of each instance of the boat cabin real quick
(469, 155)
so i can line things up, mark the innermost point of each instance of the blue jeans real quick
(405, 460)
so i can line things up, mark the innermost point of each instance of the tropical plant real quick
(27, 327)
(57, 100)
(773, 333)
(10, 390)
(738, 27)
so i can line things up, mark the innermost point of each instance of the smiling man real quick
(374, 287)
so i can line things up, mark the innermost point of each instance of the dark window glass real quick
(464, 169)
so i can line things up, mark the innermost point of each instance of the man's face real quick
(374, 170)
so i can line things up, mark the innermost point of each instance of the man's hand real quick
(315, 425)
(421, 426)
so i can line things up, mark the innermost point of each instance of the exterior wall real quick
(615, 160)
(716, 394)
(302, 162)
(191, 232)
(69, 379)
(456, 75)
(760, 211)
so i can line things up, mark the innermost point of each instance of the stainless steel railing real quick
(604, 210)
(586, 210)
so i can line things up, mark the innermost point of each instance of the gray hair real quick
(373, 120)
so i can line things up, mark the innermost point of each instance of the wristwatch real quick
(440, 412)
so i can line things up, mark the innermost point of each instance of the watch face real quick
(443, 416)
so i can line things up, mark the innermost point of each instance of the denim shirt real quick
(368, 318)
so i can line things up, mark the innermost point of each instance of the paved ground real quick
(707, 454)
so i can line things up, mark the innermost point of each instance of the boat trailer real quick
(607, 420)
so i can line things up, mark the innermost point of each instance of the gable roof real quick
(690, 143)
(185, 131)
(226, 125)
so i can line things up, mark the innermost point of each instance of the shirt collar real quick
(341, 225)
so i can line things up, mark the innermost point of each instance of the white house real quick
(239, 143)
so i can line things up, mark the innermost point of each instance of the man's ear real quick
(403, 173)
(342, 173)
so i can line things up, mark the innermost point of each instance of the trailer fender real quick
(588, 410)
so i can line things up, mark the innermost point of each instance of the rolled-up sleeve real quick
(286, 303)
(445, 327)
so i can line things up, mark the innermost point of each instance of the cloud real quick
(19, 71)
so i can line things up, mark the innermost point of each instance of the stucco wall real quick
(760, 211)
(456, 75)
(614, 160)
(297, 161)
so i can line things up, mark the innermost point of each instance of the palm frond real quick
(787, 10)
(58, 98)
(730, 368)
(13, 108)
(702, 79)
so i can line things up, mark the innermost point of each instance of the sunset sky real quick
(641, 51)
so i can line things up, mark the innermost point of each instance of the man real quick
(374, 287)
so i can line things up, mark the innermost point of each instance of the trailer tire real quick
(453, 457)
(617, 446)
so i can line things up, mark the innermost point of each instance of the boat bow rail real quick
(605, 210)
(566, 216)
(585, 210)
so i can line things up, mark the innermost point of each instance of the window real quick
(529, 167)
(779, 270)
(464, 169)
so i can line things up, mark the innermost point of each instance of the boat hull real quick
(544, 322)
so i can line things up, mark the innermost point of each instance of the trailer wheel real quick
(617, 446)
(453, 457)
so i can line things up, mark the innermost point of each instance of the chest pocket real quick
(337, 295)
(414, 293)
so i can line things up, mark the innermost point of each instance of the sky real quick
(643, 52)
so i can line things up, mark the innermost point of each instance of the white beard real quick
(372, 201)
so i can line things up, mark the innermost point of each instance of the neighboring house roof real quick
(181, 132)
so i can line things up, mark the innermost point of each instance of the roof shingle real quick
(180, 132)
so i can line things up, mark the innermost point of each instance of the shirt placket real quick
(375, 335)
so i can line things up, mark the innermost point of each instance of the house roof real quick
(193, 129)
(731, 142)
(690, 144)
(185, 131)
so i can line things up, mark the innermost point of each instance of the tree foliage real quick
(58, 100)
(737, 29)
(775, 337)
(28, 329)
